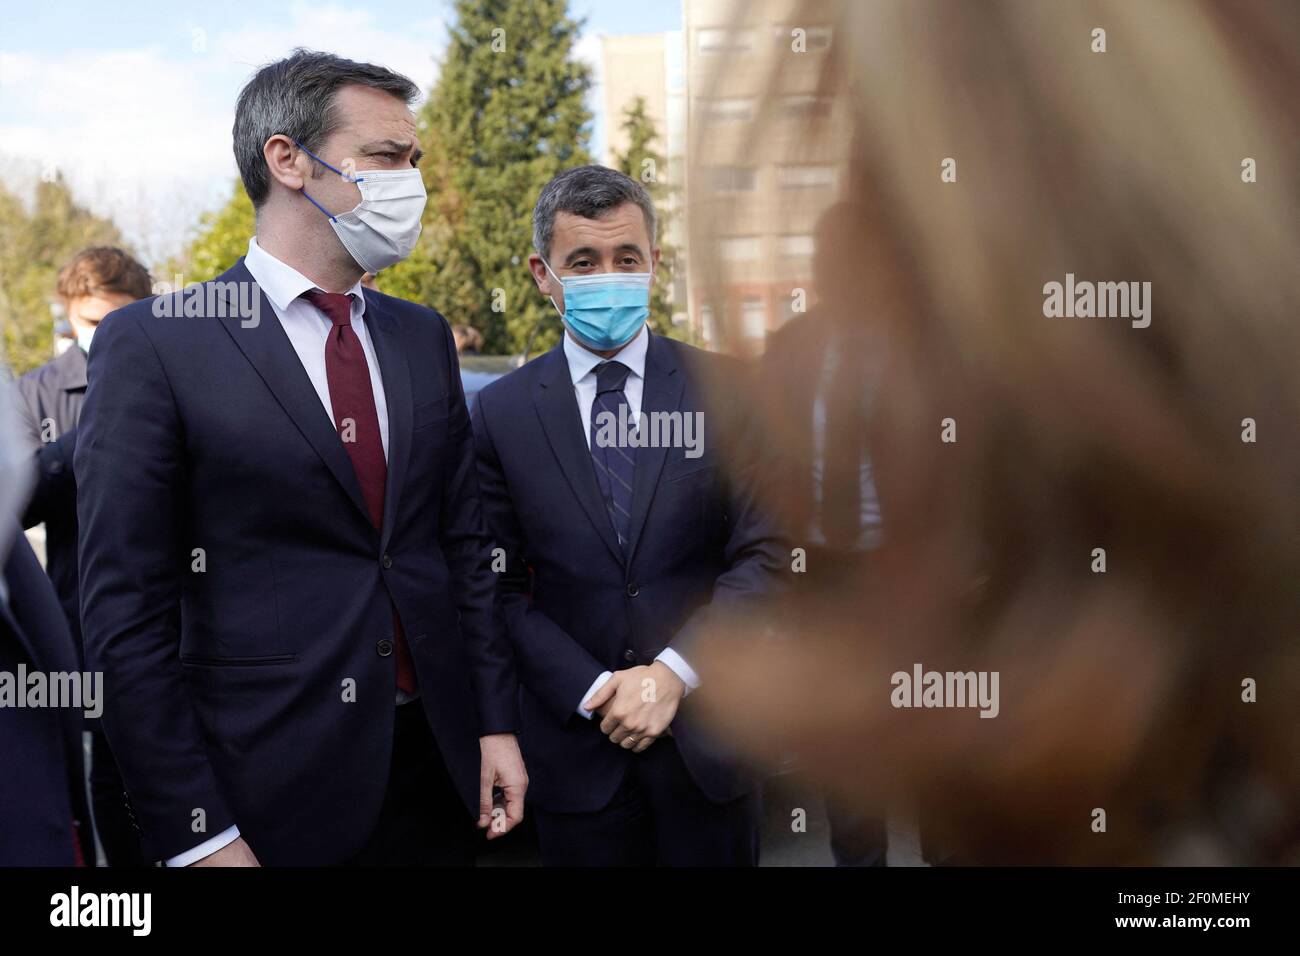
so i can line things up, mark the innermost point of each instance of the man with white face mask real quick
(285, 572)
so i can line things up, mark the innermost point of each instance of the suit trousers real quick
(657, 817)
(423, 821)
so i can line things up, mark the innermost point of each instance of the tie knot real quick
(610, 377)
(336, 306)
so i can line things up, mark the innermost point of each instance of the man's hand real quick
(502, 766)
(638, 704)
(235, 853)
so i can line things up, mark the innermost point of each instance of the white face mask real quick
(383, 228)
(84, 336)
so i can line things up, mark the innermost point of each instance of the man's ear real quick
(545, 283)
(654, 259)
(285, 161)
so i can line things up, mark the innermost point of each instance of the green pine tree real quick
(508, 112)
(643, 162)
(33, 248)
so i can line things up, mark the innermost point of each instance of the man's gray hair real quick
(295, 97)
(589, 192)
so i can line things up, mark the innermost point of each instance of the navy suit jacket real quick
(254, 680)
(42, 789)
(574, 606)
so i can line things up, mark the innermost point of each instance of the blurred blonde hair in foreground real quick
(1119, 690)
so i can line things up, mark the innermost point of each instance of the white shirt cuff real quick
(596, 685)
(677, 664)
(208, 847)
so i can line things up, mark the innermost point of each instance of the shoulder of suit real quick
(519, 379)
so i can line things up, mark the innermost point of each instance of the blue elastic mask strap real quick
(318, 205)
(327, 165)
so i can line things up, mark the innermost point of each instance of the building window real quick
(818, 39)
(722, 40)
(753, 317)
(807, 177)
(799, 246)
(807, 106)
(729, 110)
(739, 249)
(731, 179)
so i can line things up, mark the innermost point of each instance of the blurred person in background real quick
(1101, 510)
(817, 376)
(93, 283)
(469, 340)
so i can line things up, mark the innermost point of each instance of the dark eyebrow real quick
(587, 251)
(390, 145)
(595, 254)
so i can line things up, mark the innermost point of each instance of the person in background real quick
(93, 283)
(817, 377)
(469, 340)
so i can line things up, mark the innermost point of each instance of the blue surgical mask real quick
(604, 311)
(84, 336)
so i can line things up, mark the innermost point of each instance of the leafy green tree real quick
(643, 162)
(33, 248)
(507, 113)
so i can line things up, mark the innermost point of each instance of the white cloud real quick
(143, 135)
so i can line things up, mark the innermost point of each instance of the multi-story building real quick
(768, 146)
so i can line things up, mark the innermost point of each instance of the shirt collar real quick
(282, 283)
(581, 361)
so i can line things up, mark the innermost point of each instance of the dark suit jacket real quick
(42, 789)
(699, 544)
(54, 393)
(260, 689)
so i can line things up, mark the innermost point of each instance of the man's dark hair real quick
(295, 97)
(589, 192)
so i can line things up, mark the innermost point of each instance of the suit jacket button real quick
(633, 590)
(384, 647)
(386, 561)
(629, 655)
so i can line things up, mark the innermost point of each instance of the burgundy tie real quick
(357, 422)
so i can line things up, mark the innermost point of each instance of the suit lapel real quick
(396, 375)
(662, 392)
(557, 407)
(269, 351)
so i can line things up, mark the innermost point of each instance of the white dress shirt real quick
(308, 329)
(582, 371)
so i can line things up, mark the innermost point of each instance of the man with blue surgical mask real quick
(630, 529)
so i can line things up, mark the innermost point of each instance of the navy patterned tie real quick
(615, 463)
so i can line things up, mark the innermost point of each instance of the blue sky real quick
(133, 101)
